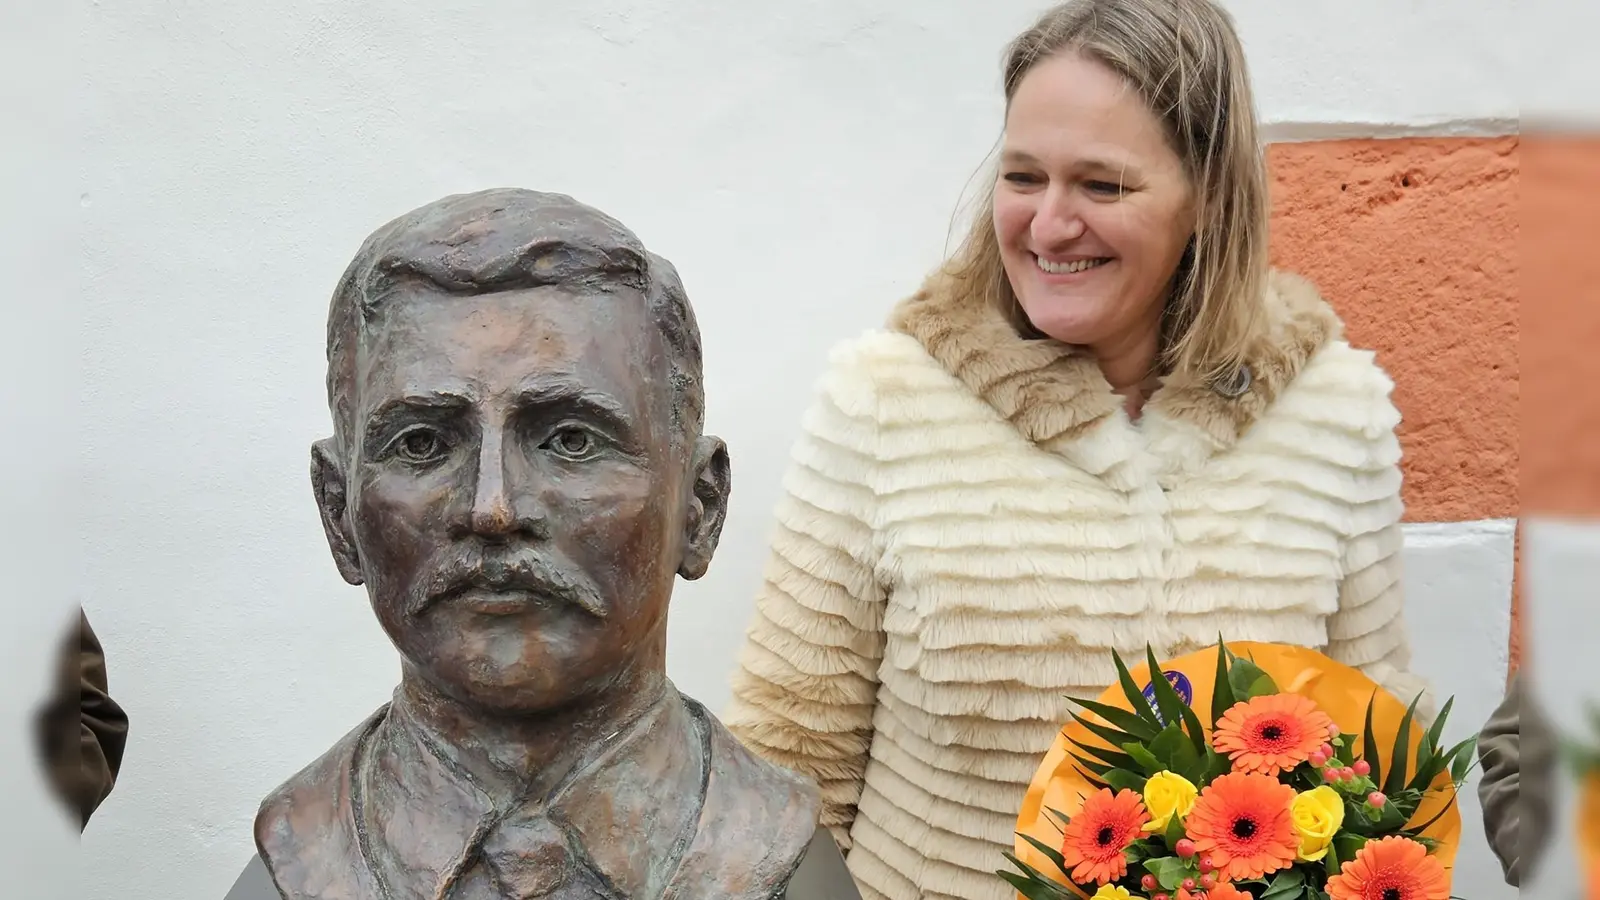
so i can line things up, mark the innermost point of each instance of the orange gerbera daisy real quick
(1271, 733)
(1394, 868)
(1242, 821)
(1094, 843)
(1225, 891)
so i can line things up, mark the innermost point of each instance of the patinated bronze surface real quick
(517, 475)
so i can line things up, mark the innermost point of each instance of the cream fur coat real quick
(971, 524)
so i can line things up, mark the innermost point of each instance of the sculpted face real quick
(516, 500)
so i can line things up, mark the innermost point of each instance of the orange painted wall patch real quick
(1414, 241)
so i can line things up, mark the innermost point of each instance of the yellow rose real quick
(1111, 892)
(1318, 816)
(1166, 795)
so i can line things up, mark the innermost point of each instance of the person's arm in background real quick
(83, 732)
(1517, 753)
(806, 687)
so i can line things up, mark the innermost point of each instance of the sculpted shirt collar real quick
(439, 832)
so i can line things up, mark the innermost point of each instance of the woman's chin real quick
(1068, 320)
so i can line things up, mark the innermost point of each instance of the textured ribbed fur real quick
(971, 523)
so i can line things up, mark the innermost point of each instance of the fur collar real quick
(1055, 395)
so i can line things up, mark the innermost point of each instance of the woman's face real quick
(1092, 208)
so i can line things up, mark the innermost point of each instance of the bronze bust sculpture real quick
(517, 475)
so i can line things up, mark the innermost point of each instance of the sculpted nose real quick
(496, 500)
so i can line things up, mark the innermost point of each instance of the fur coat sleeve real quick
(805, 690)
(1368, 630)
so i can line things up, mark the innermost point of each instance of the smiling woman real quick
(1103, 423)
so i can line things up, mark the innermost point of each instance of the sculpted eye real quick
(572, 442)
(419, 444)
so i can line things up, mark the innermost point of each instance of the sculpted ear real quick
(708, 508)
(328, 484)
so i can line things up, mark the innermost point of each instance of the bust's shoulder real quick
(736, 769)
(757, 823)
(304, 828)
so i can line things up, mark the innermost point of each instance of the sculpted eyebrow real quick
(565, 394)
(436, 401)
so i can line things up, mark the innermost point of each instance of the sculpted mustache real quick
(521, 572)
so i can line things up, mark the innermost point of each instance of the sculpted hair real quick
(503, 240)
(1184, 59)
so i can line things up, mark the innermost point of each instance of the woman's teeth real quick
(1067, 268)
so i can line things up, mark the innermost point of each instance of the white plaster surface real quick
(218, 163)
(41, 535)
(1561, 621)
(1458, 582)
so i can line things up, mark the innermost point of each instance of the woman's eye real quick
(1021, 178)
(419, 444)
(1104, 187)
(571, 442)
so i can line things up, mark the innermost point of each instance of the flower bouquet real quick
(1306, 781)
(1583, 758)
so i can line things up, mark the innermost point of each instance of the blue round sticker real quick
(1180, 684)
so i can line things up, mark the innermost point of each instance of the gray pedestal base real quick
(822, 876)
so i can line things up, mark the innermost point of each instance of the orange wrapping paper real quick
(1341, 691)
(1589, 833)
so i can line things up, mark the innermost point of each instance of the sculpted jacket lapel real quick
(670, 788)
(416, 829)
(624, 817)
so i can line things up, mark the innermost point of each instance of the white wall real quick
(799, 162)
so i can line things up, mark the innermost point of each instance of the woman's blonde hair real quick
(1184, 59)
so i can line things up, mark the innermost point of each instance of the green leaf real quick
(1173, 749)
(1369, 743)
(1331, 862)
(1144, 758)
(1244, 675)
(1429, 764)
(1396, 782)
(1061, 818)
(1049, 852)
(1288, 884)
(1135, 695)
(1186, 759)
(1123, 780)
(1436, 733)
(1033, 885)
(1132, 725)
(1199, 772)
(1222, 698)
(1348, 844)
(1216, 766)
(1197, 732)
(1169, 871)
(1109, 757)
(1173, 709)
(1175, 832)
(1094, 767)
(1439, 815)
(1462, 757)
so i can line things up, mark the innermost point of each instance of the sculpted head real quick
(517, 472)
